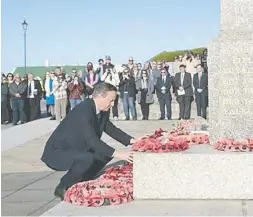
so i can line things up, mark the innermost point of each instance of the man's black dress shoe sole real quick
(60, 192)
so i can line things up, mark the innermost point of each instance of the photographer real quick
(61, 98)
(127, 90)
(75, 87)
(112, 77)
(91, 81)
(101, 69)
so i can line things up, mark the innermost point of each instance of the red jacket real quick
(75, 90)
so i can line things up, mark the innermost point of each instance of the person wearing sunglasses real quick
(145, 97)
(163, 90)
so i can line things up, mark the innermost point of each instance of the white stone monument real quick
(202, 172)
(230, 64)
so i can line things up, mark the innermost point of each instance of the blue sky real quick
(70, 31)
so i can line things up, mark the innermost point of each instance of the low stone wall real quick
(198, 173)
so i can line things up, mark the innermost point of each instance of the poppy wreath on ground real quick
(108, 189)
(193, 139)
(121, 173)
(233, 145)
(160, 142)
(182, 128)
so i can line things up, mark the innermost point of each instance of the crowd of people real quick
(186, 78)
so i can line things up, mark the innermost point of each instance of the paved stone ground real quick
(28, 185)
(43, 114)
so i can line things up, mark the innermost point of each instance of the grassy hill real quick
(169, 56)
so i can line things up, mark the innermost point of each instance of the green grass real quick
(169, 56)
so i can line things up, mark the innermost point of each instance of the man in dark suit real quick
(200, 83)
(163, 90)
(34, 95)
(184, 92)
(76, 146)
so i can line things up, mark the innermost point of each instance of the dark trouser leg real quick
(198, 103)
(180, 100)
(4, 111)
(48, 106)
(126, 105)
(143, 110)
(33, 110)
(147, 110)
(187, 107)
(168, 107)
(80, 173)
(162, 107)
(27, 109)
(10, 111)
(203, 105)
(14, 106)
(21, 111)
(115, 107)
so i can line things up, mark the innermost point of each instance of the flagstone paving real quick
(27, 184)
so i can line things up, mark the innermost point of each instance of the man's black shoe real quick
(60, 192)
(161, 118)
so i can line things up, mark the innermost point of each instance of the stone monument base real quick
(198, 173)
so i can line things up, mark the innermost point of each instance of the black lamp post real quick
(24, 25)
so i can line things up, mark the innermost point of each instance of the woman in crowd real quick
(91, 81)
(127, 90)
(190, 62)
(4, 101)
(86, 71)
(50, 100)
(136, 73)
(145, 97)
(75, 91)
(61, 98)
(44, 94)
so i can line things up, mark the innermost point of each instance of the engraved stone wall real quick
(230, 64)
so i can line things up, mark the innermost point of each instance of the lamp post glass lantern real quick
(24, 25)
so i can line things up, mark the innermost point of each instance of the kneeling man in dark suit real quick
(76, 146)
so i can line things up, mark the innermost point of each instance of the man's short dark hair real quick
(100, 60)
(102, 89)
(182, 65)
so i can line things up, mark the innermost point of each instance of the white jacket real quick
(112, 78)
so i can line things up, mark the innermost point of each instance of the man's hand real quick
(17, 95)
(181, 88)
(126, 156)
(132, 141)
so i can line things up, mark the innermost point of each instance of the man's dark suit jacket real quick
(203, 84)
(167, 85)
(187, 83)
(78, 137)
